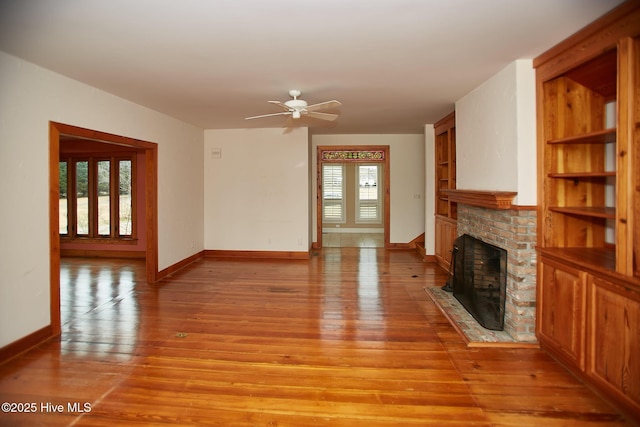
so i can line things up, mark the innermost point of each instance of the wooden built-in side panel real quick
(453, 206)
(635, 153)
(628, 221)
(624, 216)
(613, 340)
(560, 316)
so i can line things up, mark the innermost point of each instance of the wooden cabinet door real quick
(613, 345)
(561, 308)
(446, 232)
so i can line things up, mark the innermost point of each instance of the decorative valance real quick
(352, 155)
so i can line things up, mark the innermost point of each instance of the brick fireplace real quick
(488, 217)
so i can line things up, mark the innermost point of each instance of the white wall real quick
(256, 194)
(30, 97)
(407, 179)
(496, 134)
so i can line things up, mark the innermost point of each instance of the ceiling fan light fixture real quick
(295, 114)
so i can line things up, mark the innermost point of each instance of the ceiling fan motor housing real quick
(296, 106)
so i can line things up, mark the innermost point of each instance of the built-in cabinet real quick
(445, 179)
(588, 292)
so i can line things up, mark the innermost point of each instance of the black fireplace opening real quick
(479, 280)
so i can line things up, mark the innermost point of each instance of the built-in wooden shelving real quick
(588, 278)
(446, 210)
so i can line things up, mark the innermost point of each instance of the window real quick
(333, 193)
(80, 198)
(64, 201)
(125, 201)
(96, 197)
(368, 194)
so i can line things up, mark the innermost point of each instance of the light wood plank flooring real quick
(353, 240)
(348, 338)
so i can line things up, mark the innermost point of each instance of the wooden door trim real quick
(386, 182)
(151, 205)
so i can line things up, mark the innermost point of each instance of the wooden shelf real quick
(596, 212)
(485, 199)
(578, 175)
(597, 137)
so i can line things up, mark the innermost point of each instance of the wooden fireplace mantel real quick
(485, 199)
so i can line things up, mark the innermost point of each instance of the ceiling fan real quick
(297, 108)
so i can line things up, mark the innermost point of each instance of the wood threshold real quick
(485, 199)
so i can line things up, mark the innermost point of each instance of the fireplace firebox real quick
(479, 280)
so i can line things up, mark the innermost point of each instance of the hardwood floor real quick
(353, 240)
(348, 338)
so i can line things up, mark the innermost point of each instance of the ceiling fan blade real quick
(280, 104)
(322, 116)
(323, 106)
(268, 115)
(289, 122)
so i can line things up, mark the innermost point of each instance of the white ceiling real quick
(394, 64)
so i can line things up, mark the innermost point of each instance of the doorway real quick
(352, 188)
(58, 130)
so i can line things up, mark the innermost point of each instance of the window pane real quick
(332, 192)
(124, 191)
(368, 212)
(368, 179)
(82, 193)
(104, 203)
(368, 203)
(63, 205)
(332, 182)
